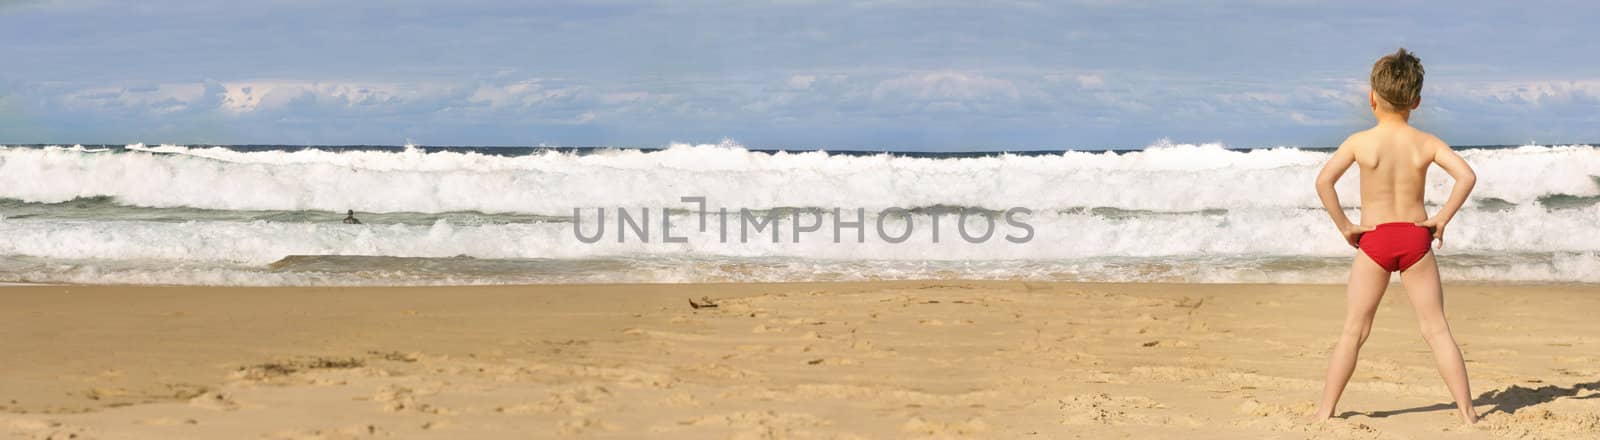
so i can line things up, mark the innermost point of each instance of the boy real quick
(1394, 159)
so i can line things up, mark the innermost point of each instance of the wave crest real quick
(1165, 177)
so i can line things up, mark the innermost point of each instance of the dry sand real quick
(936, 359)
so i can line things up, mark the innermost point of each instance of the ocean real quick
(271, 215)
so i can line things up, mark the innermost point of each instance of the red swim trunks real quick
(1396, 246)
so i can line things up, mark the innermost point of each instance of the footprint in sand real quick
(352, 432)
(1167, 343)
(756, 348)
(969, 427)
(397, 398)
(681, 319)
(1106, 409)
(167, 421)
(681, 400)
(1541, 423)
(1292, 418)
(45, 429)
(571, 427)
(717, 371)
(752, 424)
(577, 401)
(214, 400)
(833, 361)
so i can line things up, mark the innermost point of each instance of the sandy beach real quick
(933, 359)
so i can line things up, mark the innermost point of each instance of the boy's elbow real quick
(1468, 175)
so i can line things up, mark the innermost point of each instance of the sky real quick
(927, 75)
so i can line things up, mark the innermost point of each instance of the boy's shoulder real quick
(1407, 136)
(1357, 139)
(1427, 141)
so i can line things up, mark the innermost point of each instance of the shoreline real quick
(940, 358)
(1395, 281)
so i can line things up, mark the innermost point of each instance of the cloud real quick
(1527, 93)
(1012, 102)
(801, 82)
(523, 94)
(945, 86)
(157, 99)
(923, 74)
(1090, 81)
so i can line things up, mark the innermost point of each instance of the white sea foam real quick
(1558, 267)
(1196, 213)
(1260, 233)
(1162, 178)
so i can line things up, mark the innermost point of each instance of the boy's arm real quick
(1465, 178)
(1331, 172)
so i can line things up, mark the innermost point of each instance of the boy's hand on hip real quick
(1352, 234)
(1436, 227)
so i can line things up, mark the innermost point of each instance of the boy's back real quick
(1394, 160)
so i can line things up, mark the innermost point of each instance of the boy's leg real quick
(1427, 299)
(1367, 283)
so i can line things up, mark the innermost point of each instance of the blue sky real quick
(927, 75)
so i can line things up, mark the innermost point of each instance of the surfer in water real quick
(350, 217)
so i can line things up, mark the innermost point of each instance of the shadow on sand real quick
(1509, 400)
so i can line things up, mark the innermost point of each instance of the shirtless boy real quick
(1395, 233)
